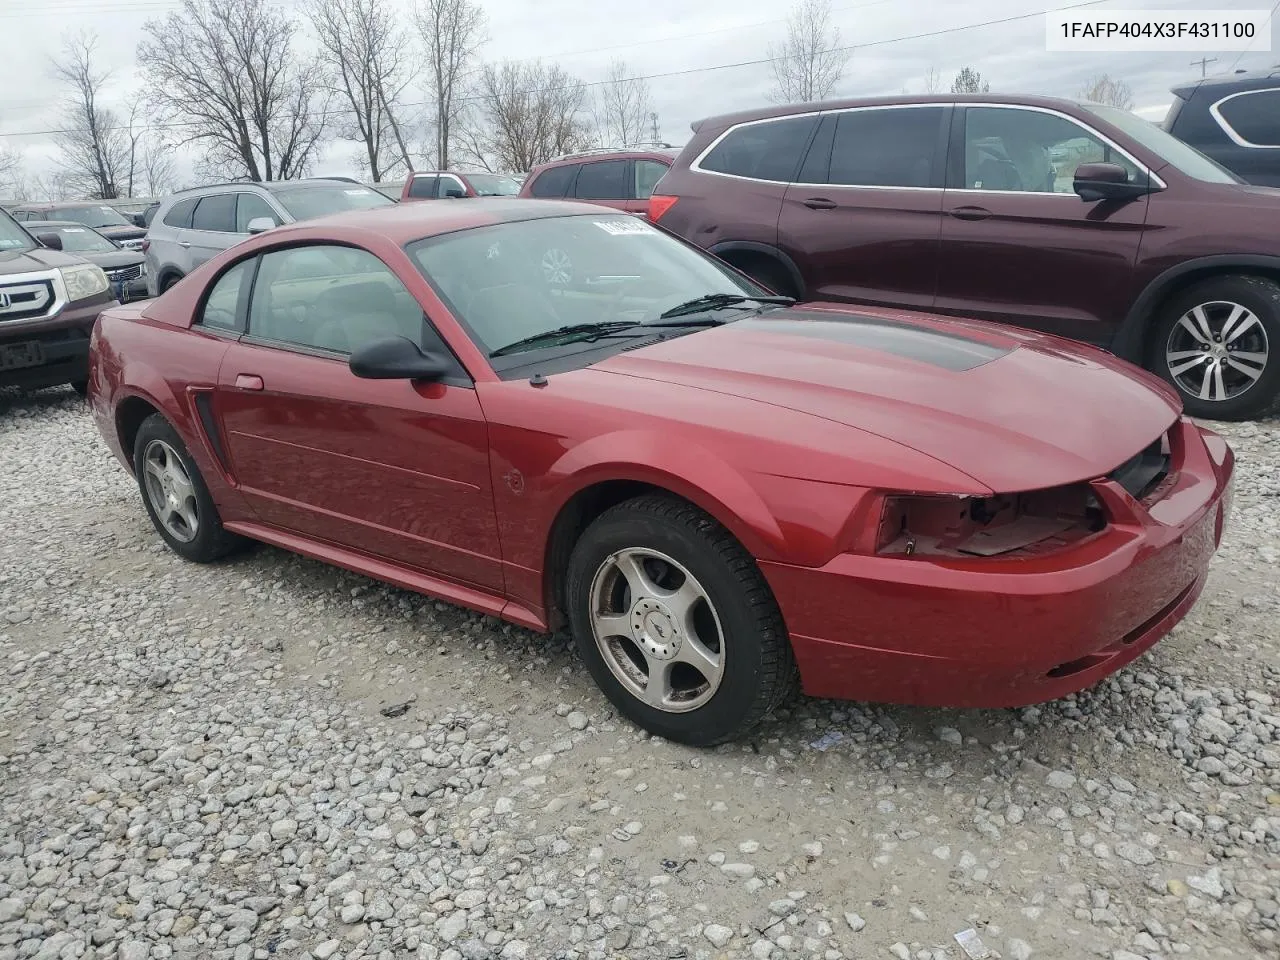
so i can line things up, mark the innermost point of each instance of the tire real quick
(1246, 353)
(202, 541)
(772, 275)
(80, 386)
(734, 618)
(167, 281)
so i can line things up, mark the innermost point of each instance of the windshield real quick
(304, 203)
(1180, 156)
(512, 281)
(94, 216)
(492, 185)
(79, 239)
(12, 236)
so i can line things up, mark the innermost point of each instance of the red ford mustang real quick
(559, 415)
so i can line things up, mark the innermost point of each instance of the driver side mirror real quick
(1106, 181)
(50, 241)
(260, 225)
(397, 358)
(453, 193)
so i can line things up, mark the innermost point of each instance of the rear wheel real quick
(771, 274)
(80, 386)
(175, 495)
(676, 623)
(168, 281)
(1217, 344)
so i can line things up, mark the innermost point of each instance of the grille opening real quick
(1142, 473)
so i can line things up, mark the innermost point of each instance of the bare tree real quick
(526, 113)
(13, 181)
(808, 64)
(933, 81)
(93, 145)
(156, 174)
(969, 80)
(228, 72)
(367, 59)
(624, 112)
(1103, 89)
(452, 33)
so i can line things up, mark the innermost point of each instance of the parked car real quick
(49, 301)
(106, 219)
(1133, 240)
(125, 269)
(194, 225)
(622, 179)
(711, 488)
(1235, 120)
(455, 185)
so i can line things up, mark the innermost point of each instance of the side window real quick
(1254, 117)
(817, 162)
(219, 310)
(762, 151)
(330, 298)
(1029, 151)
(648, 173)
(179, 215)
(216, 213)
(603, 180)
(452, 187)
(554, 181)
(887, 148)
(250, 206)
(423, 188)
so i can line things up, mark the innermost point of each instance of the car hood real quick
(29, 261)
(115, 259)
(1014, 410)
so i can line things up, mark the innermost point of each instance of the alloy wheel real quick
(169, 488)
(1217, 350)
(657, 630)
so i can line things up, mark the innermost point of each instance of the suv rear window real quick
(1254, 116)
(762, 151)
(179, 215)
(554, 181)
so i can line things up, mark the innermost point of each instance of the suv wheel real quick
(168, 281)
(772, 275)
(1218, 343)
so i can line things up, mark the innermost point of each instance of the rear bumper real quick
(64, 341)
(1002, 633)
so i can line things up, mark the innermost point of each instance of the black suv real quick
(1235, 120)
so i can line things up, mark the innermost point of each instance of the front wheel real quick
(676, 623)
(1214, 342)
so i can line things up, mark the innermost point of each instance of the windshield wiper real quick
(716, 301)
(578, 331)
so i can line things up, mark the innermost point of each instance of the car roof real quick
(404, 223)
(940, 99)
(1245, 80)
(591, 156)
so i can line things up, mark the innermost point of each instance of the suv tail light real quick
(659, 205)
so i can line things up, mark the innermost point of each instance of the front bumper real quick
(64, 341)
(1009, 632)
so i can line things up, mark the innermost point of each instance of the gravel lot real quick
(194, 763)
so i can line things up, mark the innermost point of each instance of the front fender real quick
(698, 475)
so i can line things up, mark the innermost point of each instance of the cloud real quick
(659, 39)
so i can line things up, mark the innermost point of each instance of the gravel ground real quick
(195, 762)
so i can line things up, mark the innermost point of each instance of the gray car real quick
(197, 224)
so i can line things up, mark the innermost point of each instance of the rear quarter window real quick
(179, 215)
(554, 181)
(766, 150)
(1253, 117)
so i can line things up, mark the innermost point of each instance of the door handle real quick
(970, 213)
(819, 203)
(248, 381)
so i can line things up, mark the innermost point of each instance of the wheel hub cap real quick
(654, 629)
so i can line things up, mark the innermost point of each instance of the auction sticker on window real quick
(624, 228)
(1168, 31)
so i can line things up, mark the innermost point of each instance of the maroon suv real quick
(1072, 218)
(622, 179)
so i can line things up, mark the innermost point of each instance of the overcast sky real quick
(656, 38)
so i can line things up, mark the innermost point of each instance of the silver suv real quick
(197, 224)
